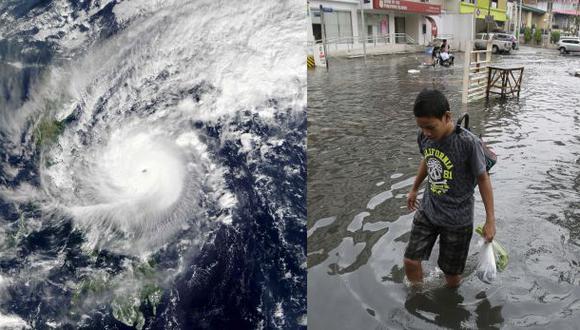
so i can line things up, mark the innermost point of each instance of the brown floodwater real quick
(362, 160)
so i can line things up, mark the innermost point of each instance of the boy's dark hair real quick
(430, 103)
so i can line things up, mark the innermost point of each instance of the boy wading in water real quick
(454, 162)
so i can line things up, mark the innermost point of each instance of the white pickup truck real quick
(499, 45)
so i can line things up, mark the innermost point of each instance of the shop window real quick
(344, 21)
(338, 25)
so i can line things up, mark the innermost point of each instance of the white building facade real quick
(389, 23)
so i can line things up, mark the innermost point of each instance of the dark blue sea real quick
(152, 165)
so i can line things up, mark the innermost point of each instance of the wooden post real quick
(475, 76)
(466, 66)
(488, 83)
(520, 81)
(489, 49)
(504, 81)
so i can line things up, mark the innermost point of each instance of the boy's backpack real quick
(490, 156)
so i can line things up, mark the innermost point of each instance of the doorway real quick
(317, 32)
(400, 28)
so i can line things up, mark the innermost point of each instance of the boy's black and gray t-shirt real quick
(453, 165)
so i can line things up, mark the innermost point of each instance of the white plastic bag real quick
(486, 269)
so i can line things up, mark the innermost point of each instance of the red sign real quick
(407, 6)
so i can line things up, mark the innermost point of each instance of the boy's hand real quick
(412, 200)
(489, 230)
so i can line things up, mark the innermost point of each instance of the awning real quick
(533, 9)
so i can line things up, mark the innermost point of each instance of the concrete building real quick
(549, 15)
(482, 8)
(463, 19)
(533, 17)
(413, 18)
(389, 25)
(564, 13)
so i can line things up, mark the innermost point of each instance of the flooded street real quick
(362, 160)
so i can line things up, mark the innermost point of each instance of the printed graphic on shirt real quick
(439, 169)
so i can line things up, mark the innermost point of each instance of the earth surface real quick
(152, 165)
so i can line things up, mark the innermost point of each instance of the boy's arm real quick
(486, 192)
(412, 197)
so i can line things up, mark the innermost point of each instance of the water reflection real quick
(444, 307)
(362, 158)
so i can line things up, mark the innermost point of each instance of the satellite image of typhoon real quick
(152, 164)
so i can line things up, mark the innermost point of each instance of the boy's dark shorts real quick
(453, 244)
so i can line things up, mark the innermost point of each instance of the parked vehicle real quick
(567, 45)
(509, 37)
(498, 45)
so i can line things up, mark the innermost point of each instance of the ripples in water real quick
(363, 157)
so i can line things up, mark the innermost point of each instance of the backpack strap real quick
(490, 156)
(466, 117)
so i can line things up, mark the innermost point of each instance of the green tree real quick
(527, 34)
(538, 36)
(555, 37)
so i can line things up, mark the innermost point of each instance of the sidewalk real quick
(548, 46)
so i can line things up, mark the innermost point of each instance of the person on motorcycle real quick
(444, 53)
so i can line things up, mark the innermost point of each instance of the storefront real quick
(534, 18)
(385, 21)
(338, 20)
(408, 20)
(565, 19)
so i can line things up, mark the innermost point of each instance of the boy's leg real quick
(454, 248)
(423, 236)
(453, 281)
(413, 270)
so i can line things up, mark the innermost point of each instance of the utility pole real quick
(578, 18)
(324, 36)
(514, 17)
(364, 31)
(519, 21)
(487, 19)
(550, 15)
